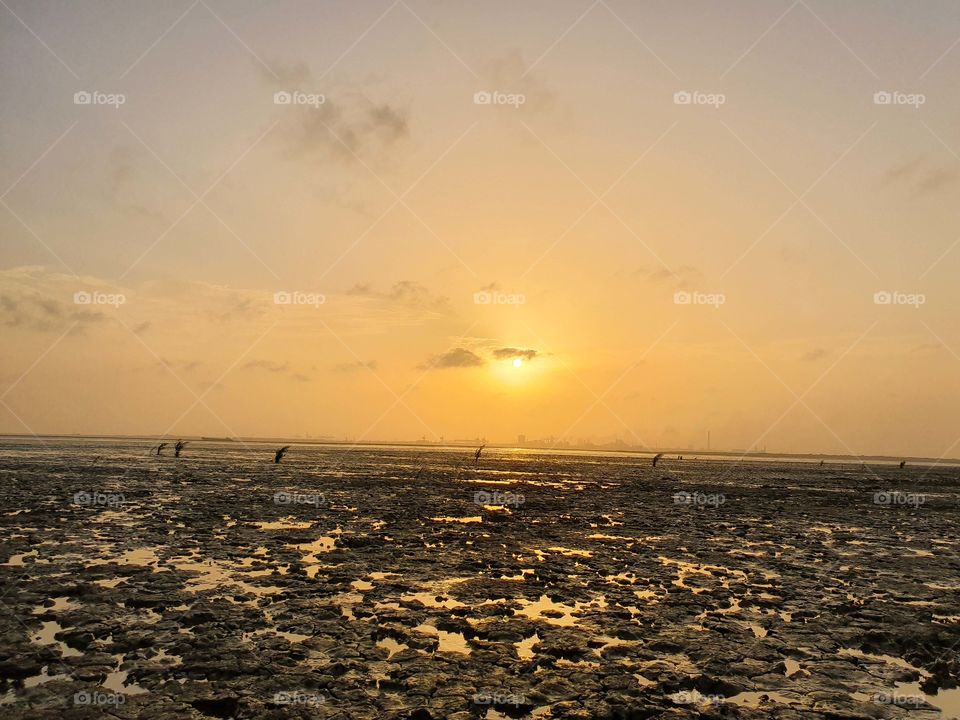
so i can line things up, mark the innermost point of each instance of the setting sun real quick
(517, 362)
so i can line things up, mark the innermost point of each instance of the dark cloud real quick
(345, 128)
(294, 76)
(405, 292)
(354, 366)
(455, 358)
(275, 368)
(816, 354)
(921, 176)
(36, 312)
(509, 353)
(684, 272)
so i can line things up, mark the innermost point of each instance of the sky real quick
(570, 220)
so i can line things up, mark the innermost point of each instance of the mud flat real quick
(402, 583)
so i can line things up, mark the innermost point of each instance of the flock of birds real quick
(180, 445)
(280, 452)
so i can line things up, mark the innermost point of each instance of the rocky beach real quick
(366, 583)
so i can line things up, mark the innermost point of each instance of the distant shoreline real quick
(595, 449)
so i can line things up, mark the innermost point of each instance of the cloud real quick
(405, 292)
(684, 272)
(34, 311)
(921, 175)
(510, 74)
(293, 76)
(275, 368)
(354, 366)
(455, 358)
(509, 353)
(346, 126)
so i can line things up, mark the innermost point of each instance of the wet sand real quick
(405, 583)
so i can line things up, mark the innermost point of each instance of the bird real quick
(178, 447)
(476, 455)
(903, 464)
(160, 447)
(280, 453)
(821, 463)
(656, 458)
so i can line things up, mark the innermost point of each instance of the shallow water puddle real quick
(464, 520)
(554, 613)
(449, 642)
(525, 647)
(46, 636)
(947, 701)
(117, 682)
(391, 646)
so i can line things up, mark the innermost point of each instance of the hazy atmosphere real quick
(510, 360)
(572, 221)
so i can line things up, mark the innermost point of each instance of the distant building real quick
(521, 439)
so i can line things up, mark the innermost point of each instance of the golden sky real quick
(655, 220)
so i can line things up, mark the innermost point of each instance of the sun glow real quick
(517, 362)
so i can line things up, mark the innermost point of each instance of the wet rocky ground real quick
(404, 583)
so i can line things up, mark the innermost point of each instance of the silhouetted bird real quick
(476, 455)
(903, 463)
(821, 463)
(160, 447)
(656, 458)
(178, 447)
(280, 453)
